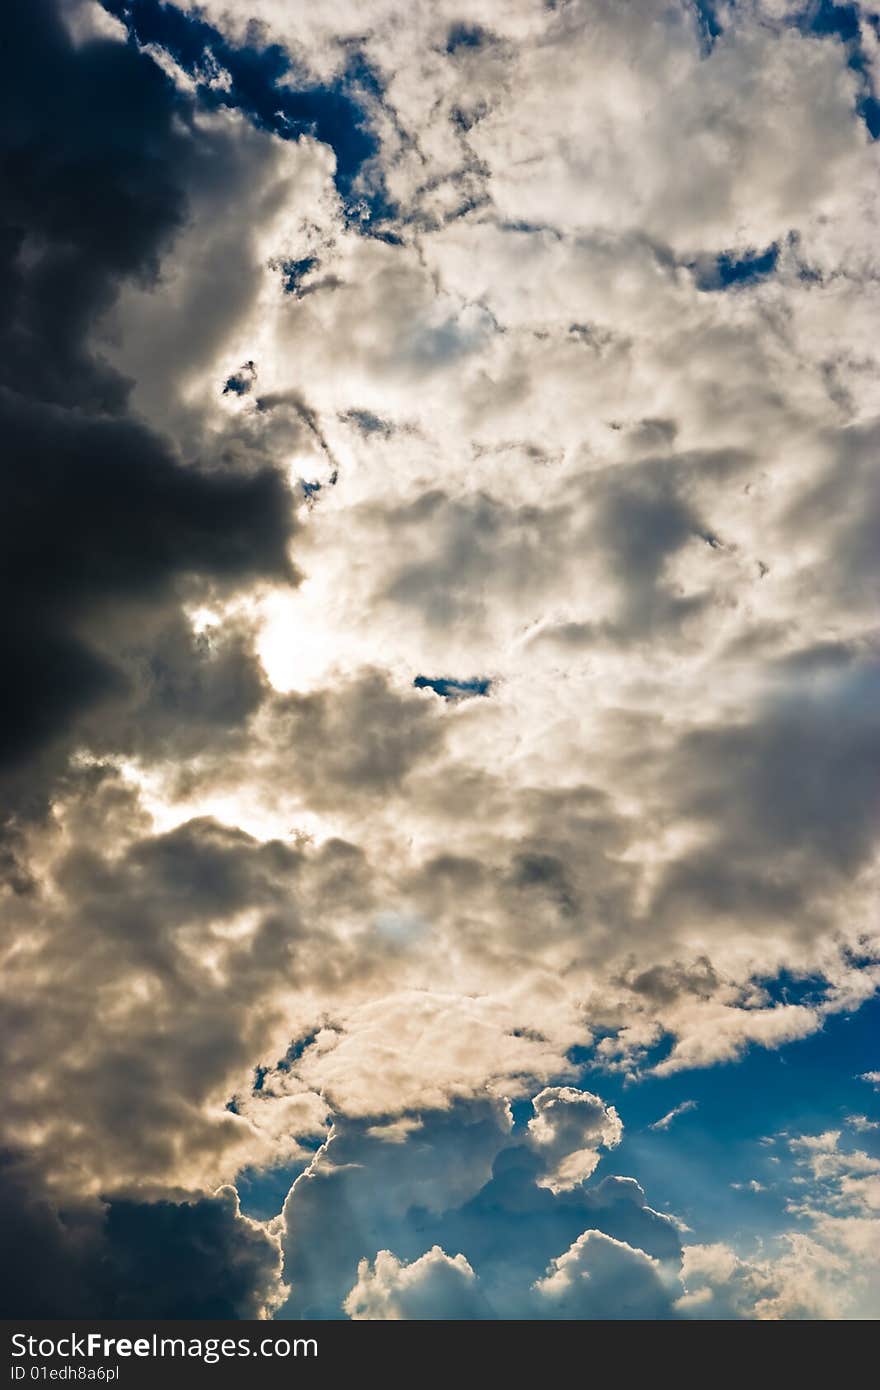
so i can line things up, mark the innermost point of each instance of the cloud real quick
(862, 1124)
(806, 1279)
(721, 1285)
(357, 1221)
(684, 1108)
(364, 1190)
(824, 1267)
(567, 1129)
(183, 938)
(128, 1258)
(434, 1286)
(131, 528)
(452, 1047)
(360, 739)
(599, 1277)
(355, 359)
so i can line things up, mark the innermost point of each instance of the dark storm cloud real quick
(121, 1258)
(196, 1259)
(90, 194)
(98, 513)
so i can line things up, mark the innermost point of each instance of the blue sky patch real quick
(452, 689)
(294, 272)
(732, 269)
(240, 383)
(262, 86)
(707, 19)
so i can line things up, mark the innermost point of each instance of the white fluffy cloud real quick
(599, 1277)
(567, 1130)
(433, 1286)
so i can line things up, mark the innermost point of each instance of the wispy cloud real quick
(671, 1116)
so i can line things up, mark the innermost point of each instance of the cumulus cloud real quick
(365, 1190)
(599, 1277)
(805, 1280)
(356, 1222)
(434, 1286)
(567, 1130)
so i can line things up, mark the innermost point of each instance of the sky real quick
(440, 754)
